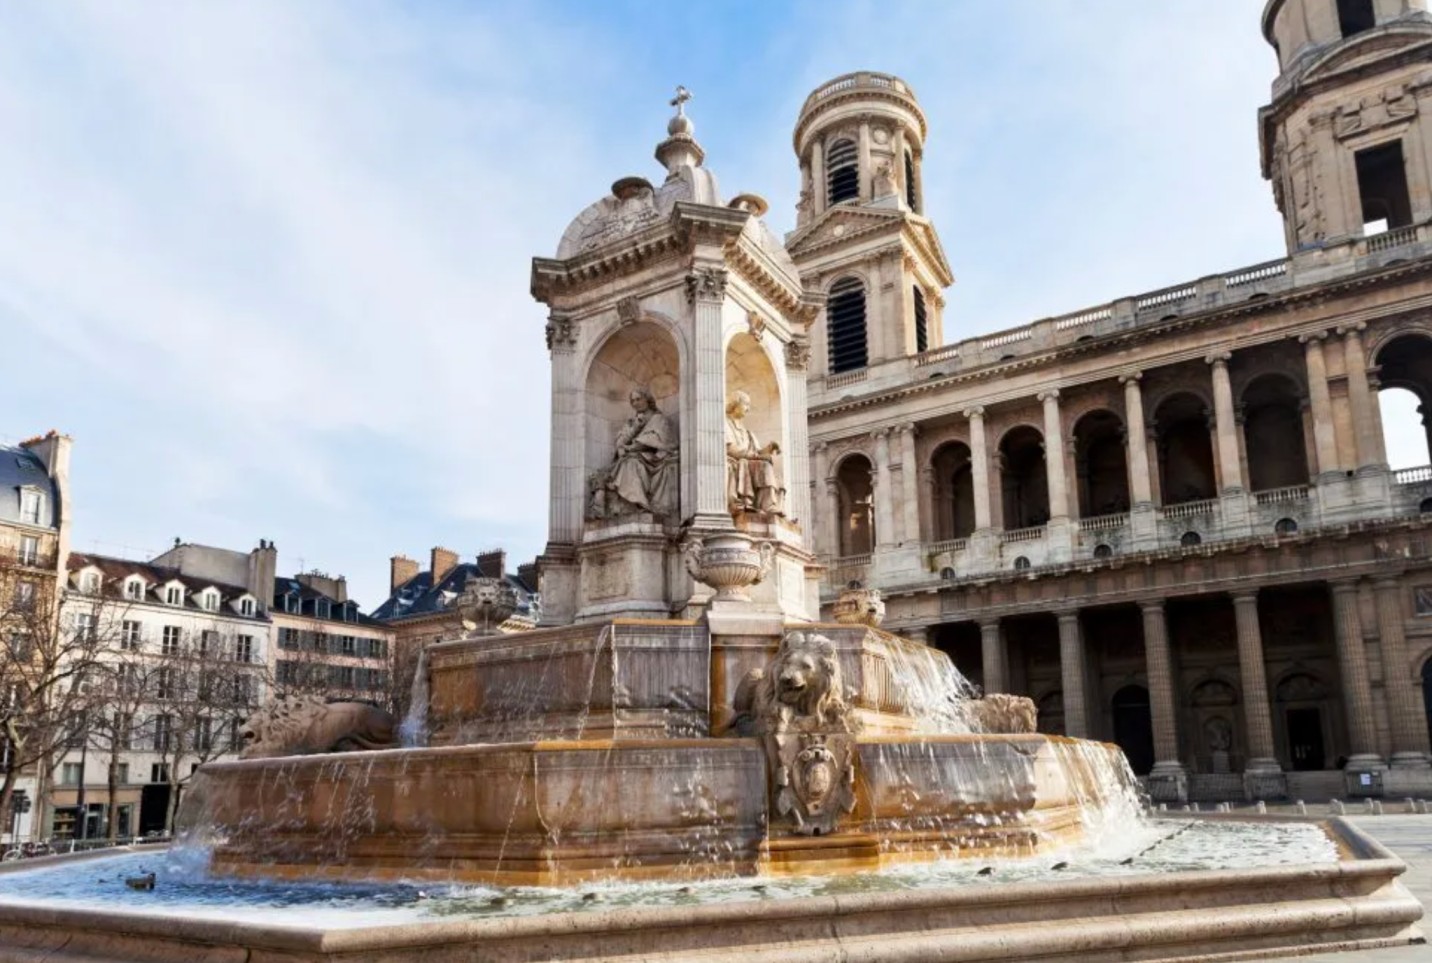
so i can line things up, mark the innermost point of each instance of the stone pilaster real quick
(909, 486)
(817, 177)
(884, 493)
(1357, 689)
(1167, 781)
(1071, 671)
(1324, 438)
(979, 467)
(1225, 426)
(824, 508)
(706, 291)
(1409, 734)
(1257, 715)
(798, 506)
(1139, 485)
(1366, 436)
(992, 655)
(1054, 456)
(867, 170)
(568, 495)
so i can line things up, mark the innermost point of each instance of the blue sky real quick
(268, 262)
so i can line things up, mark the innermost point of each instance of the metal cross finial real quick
(679, 101)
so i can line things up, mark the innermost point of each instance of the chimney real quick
(527, 574)
(401, 569)
(53, 449)
(263, 567)
(334, 588)
(492, 564)
(444, 561)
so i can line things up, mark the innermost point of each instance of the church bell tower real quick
(1345, 141)
(861, 237)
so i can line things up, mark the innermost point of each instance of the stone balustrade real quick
(1203, 507)
(1032, 534)
(1104, 523)
(1282, 496)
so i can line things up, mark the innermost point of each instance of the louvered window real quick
(845, 315)
(842, 172)
(910, 182)
(922, 329)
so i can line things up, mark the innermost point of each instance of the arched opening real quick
(1134, 727)
(1301, 699)
(845, 325)
(1185, 450)
(856, 492)
(637, 358)
(1273, 433)
(1405, 372)
(1101, 464)
(922, 324)
(1024, 479)
(755, 482)
(954, 494)
(842, 171)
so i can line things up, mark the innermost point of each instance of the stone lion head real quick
(805, 676)
(275, 725)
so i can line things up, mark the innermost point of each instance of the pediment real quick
(1364, 51)
(840, 225)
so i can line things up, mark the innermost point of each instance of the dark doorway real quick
(1427, 693)
(1134, 727)
(1305, 739)
(153, 807)
(961, 642)
(1382, 185)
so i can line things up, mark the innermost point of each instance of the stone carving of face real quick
(798, 674)
(639, 401)
(740, 404)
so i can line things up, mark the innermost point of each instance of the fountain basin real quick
(1346, 898)
(557, 812)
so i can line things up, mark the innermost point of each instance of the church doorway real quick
(1134, 727)
(1305, 739)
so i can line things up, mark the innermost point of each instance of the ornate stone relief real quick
(796, 705)
(798, 354)
(729, 562)
(561, 332)
(307, 725)
(643, 475)
(706, 284)
(629, 310)
(1395, 104)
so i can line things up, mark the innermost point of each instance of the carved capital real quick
(906, 428)
(1352, 330)
(820, 447)
(629, 310)
(561, 333)
(1051, 395)
(880, 434)
(1131, 378)
(798, 354)
(1312, 338)
(975, 412)
(1219, 358)
(706, 284)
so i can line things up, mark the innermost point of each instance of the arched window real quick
(857, 506)
(1185, 450)
(842, 172)
(922, 326)
(954, 494)
(1273, 434)
(1024, 479)
(845, 325)
(910, 196)
(1101, 464)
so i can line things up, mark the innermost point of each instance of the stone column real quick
(1137, 434)
(831, 519)
(979, 467)
(823, 508)
(909, 486)
(706, 291)
(992, 655)
(568, 496)
(1366, 438)
(928, 509)
(1409, 734)
(867, 172)
(797, 463)
(884, 495)
(1256, 712)
(1161, 693)
(817, 177)
(1071, 671)
(1230, 474)
(1054, 456)
(1357, 689)
(1324, 437)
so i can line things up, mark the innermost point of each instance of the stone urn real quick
(729, 562)
(860, 606)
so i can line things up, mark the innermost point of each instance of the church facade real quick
(1168, 519)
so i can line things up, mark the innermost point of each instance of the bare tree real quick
(200, 692)
(46, 671)
(119, 724)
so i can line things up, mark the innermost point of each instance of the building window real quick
(24, 596)
(236, 739)
(375, 649)
(922, 327)
(163, 733)
(121, 773)
(244, 648)
(348, 645)
(129, 635)
(89, 583)
(170, 643)
(134, 590)
(204, 735)
(124, 735)
(845, 325)
(30, 506)
(246, 606)
(29, 550)
(174, 595)
(288, 638)
(208, 643)
(1190, 539)
(71, 773)
(164, 683)
(842, 171)
(1355, 16)
(84, 626)
(910, 195)
(1382, 186)
(159, 771)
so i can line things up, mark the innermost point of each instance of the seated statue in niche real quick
(753, 484)
(643, 475)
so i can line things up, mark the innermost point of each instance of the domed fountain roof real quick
(634, 203)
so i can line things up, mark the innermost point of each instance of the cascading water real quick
(413, 731)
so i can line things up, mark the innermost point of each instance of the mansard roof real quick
(19, 468)
(115, 572)
(418, 596)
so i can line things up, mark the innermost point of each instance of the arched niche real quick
(749, 369)
(639, 355)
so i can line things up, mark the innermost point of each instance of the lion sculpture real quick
(800, 688)
(1001, 713)
(306, 725)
